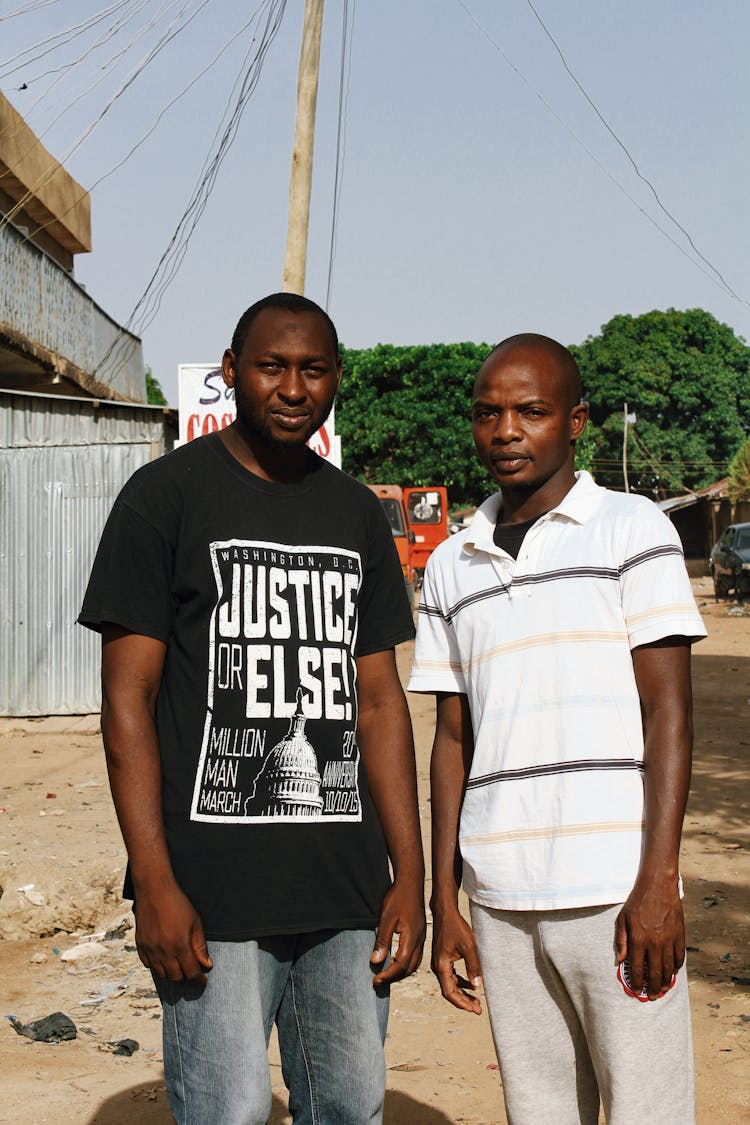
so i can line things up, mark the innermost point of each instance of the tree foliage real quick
(154, 393)
(687, 378)
(739, 474)
(404, 413)
(404, 416)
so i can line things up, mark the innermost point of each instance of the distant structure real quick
(74, 425)
(288, 784)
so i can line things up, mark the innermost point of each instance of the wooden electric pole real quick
(300, 181)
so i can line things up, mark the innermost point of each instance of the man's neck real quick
(520, 505)
(278, 464)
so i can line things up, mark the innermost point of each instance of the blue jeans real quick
(331, 1023)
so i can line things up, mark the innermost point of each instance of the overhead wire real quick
(345, 70)
(153, 53)
(610, 176)
(665, 210)
(71, 32)
(106, 67)
(154, 125)
(148, 304)
(29, 8)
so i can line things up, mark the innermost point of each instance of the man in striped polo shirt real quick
(555, 633)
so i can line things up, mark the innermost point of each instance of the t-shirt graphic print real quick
(279, 741)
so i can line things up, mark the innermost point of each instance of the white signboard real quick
(207, 405)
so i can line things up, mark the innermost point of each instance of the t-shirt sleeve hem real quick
(421, 682)
(117, 617)
(688, 628)
(385, 643)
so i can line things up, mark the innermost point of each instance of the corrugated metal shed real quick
(62, 463)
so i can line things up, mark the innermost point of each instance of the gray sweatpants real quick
(565, 1031)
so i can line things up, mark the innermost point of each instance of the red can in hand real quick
(623, 975)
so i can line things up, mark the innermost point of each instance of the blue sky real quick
(467, 210)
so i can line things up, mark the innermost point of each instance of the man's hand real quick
(452, 941)
(402, 913)
(650, 933)
(169, 936)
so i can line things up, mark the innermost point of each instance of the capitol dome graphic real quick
(288, 784)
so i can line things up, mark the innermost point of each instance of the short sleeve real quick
(385, 618)
(131, 579)
(657, 599)
(437, 663)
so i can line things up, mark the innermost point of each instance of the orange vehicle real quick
(419, 521)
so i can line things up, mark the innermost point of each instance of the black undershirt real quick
(510, 536)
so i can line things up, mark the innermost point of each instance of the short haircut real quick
(291, 302)
(565, 359)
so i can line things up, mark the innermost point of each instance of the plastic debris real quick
(107, 992)
(50, 1029)
(725, 957)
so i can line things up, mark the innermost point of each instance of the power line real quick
(345, 66)
(71, 32)
(29, 8)
(631, 159)
(116, 167)
(148, 304)
(610, 176)
(166, 37)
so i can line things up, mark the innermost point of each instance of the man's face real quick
(285, 378)
(523, 421)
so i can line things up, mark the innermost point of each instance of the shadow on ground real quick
(148, 1105)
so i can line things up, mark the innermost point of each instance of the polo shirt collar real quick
(578, 505)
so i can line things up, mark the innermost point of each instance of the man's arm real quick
(169, 934)
(651, 924)
(452, 938)
(384, 736)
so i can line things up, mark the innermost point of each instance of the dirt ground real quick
(61, 866)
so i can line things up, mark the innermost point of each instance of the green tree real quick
(404, 416)
(739, 474)
(687, 378)
(154, 393)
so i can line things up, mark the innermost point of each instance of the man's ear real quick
(228, 367)
(579, 416)
(338, 374)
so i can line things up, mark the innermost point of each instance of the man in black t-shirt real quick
(258, 742)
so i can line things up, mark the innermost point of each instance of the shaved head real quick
(533, 343)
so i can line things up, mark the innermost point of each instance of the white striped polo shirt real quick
(541, 645)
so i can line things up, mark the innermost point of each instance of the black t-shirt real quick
(264, 595)
(510, 536)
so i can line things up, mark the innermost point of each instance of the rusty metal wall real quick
(62, 463)
(44, 303)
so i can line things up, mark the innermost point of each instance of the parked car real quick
(729, 562)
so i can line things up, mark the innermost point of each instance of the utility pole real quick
(300, 181)
(625, 445)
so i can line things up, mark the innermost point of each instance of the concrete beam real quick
(31, 176)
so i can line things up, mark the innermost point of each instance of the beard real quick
(258, 427)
